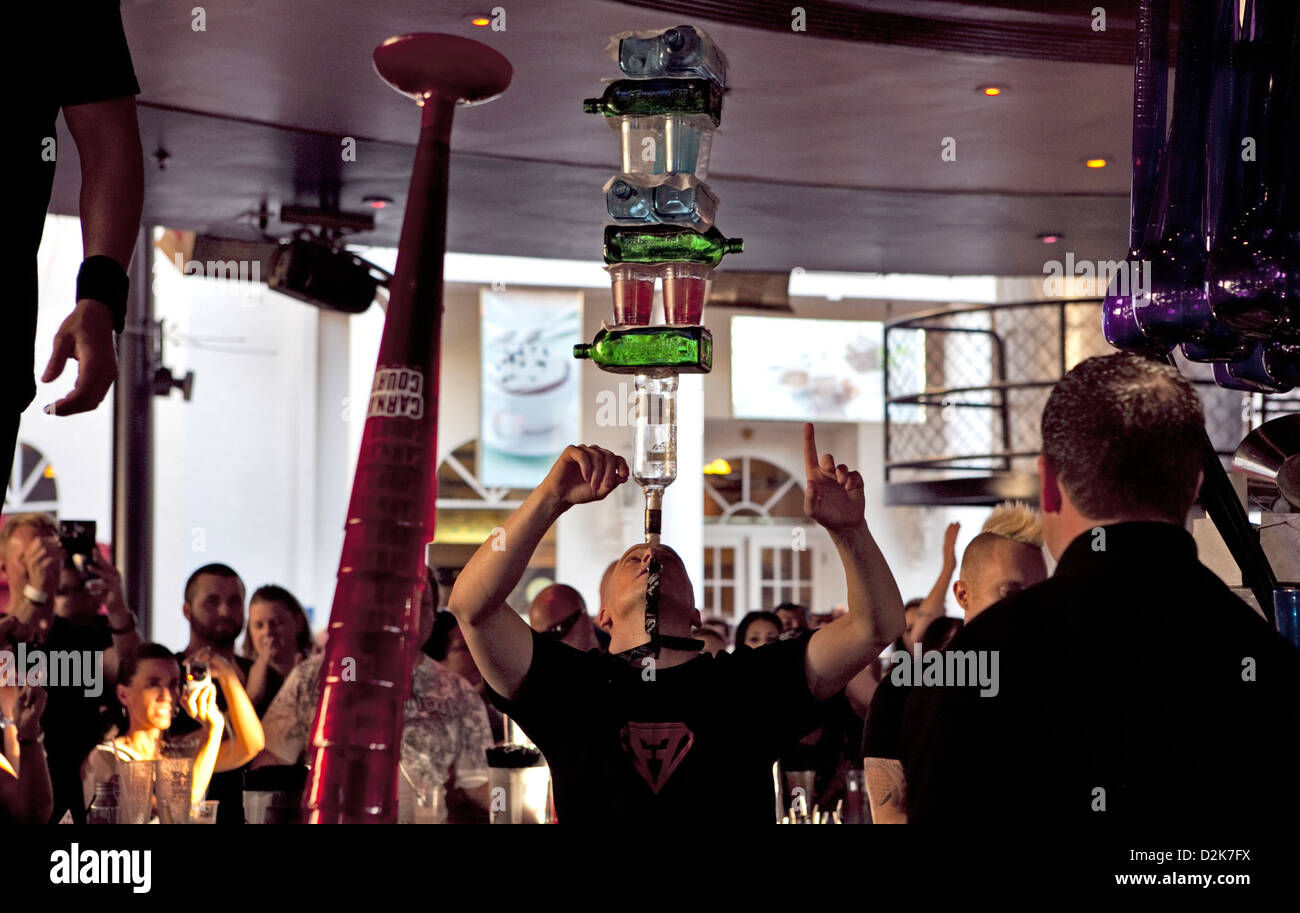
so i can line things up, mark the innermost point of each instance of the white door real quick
(756, 568)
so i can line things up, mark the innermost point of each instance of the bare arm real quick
(838, 651)
(886, 790)
(119, 618)
(932, 607)
(202, 706)
(498, 639)
(29, 797)
(112, 197)
(245, 728)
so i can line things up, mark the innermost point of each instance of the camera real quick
(196, 675)
(78, 540)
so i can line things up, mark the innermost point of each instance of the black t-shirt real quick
(74, 722)
(692, 742)
(880, 732)
(1132, 677)
(84, 58)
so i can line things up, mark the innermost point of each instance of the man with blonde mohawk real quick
(1004, 558)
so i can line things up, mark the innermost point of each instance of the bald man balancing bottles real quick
(631, 736)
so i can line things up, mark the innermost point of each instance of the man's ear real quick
(185, 610)
(604, 620)
(1049, 487)
(962, 592)
(697, 620)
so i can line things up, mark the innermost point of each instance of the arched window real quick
(750, 490)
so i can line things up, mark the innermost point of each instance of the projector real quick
(313, 271)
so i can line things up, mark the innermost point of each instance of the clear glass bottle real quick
(103, 808)
(655, 456)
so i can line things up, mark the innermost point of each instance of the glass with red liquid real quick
(634, 292)
(686, 286)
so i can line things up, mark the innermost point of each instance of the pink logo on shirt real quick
(656, 749)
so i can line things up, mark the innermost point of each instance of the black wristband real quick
(103, 279)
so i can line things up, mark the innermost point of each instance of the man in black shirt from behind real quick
(631, 737)
(1134, 687)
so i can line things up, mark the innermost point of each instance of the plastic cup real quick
(431, 807)
(634, 293)
(174, 786)
(135, 791)
(686, 286)
(204, 812)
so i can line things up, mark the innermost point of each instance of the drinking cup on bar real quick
(204, 812)
(634, 292)
(173, 787)
(135, 798)
(686, 287)
(431, 805)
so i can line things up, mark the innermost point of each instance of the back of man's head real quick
(1123, 435)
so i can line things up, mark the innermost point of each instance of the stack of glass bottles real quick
(662, 214)
(665, 112)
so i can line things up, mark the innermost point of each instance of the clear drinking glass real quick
(174, 785)
(135, 798)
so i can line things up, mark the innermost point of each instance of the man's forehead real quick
(642, 546)
(219, 582)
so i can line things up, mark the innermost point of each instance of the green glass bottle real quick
(666, 243)
(647, 97)
(633, 350)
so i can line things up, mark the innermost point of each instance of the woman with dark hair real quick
(757, 629)
(277, 638)
(149, 690)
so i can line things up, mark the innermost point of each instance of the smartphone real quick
(78, 540)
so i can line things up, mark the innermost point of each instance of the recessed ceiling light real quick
(1050, 237)
(480, 21)
(377, 202)
(1096, 162)
(990, 91)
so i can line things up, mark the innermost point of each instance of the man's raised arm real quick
(838, 651)
(498, 639)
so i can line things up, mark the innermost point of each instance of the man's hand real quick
(87, 336)
(43, 558)
(112, 578)
(583, 474)
(834, 496)
(950, 546)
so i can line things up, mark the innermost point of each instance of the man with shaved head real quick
(655, 730)
(560, 612)
(1006, 557)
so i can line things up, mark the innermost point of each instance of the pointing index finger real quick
(810, 462)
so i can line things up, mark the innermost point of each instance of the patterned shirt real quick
(444, 740)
